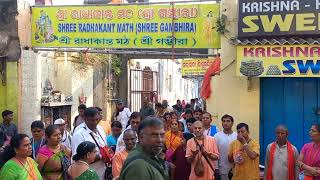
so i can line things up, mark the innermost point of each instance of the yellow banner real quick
(278, 61)
(130, 26)
(195, 67)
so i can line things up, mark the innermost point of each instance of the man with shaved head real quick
(130, 139)
(281, 157)
(202, 148)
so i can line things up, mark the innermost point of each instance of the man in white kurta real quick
(90, 132)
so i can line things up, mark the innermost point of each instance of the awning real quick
(277, 41)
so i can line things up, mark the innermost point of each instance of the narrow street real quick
(159, 90)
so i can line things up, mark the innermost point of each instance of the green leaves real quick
(221, 24)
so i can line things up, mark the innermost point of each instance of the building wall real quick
(9, 53)
(69, 77)
(237, 96)
(82, 82)
(181, 88)
(9, 92)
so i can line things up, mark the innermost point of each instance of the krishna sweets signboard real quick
(279, 61)
(130, 26)
(261, 18)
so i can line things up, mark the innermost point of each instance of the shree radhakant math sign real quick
(131, 26)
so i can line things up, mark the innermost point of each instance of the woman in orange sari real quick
(173, 139)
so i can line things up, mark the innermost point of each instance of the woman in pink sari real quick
(309, 159)
(53, 158)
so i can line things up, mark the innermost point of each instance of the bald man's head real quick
(282, 127)
(199, 123)
(282, 135)
(198, 128)
(129, 132)
(130, 139)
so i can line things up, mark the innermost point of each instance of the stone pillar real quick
(31, 89)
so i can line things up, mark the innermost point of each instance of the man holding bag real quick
(90, 132)
(201, 153)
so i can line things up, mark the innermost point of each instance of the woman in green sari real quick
(53, 158)
(86, 154)
(18, 164)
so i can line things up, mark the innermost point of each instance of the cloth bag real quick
(199, 167)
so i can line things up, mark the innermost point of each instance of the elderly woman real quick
(18, 164)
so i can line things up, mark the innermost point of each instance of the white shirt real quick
(66, 139)
(124, 117)
(169, 109)
(82, 125)
(184, 124)
(223, 141)
(83, 134)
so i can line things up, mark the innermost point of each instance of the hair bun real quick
(76, 157)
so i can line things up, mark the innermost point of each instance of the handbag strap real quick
(205, 157)
(94, 140)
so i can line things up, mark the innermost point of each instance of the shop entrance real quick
(294, 102)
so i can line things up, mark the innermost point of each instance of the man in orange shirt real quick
(202, 148)
(130, 139)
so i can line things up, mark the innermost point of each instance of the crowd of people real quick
(177, 142)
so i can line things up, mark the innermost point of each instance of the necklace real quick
(24, 167)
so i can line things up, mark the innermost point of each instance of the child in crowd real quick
(116, 128)
(37, 140)
(183, 168)
(189, 123)
(181, 126)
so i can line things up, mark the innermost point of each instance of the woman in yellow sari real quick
(18, 164)
(173, 139)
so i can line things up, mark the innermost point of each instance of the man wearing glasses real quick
(143, 162)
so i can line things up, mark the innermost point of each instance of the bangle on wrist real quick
(245, 144)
